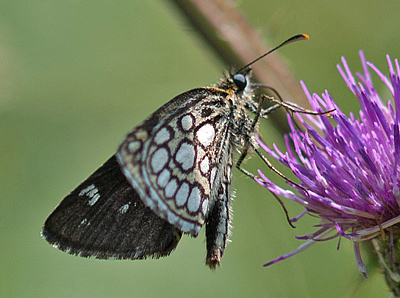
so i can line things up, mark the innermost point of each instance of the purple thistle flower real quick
(350, 170)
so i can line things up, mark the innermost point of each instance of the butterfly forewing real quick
(105, 218)
(174, 159)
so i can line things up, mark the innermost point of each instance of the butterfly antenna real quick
(286, 42)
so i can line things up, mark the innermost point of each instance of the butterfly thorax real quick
(241, 99)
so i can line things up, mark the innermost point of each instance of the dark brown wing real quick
(105, 218)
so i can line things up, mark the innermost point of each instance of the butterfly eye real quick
(240, 81)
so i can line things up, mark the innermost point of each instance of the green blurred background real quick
(76, 76)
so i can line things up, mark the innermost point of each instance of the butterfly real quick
(171, 175)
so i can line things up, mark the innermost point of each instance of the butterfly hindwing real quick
(105, 218)
(175, 159)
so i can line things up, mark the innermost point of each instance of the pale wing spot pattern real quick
(163, 178)
(204, 207)
(124, 208)
(194, 200)
(84, 222)
(206, 134)
(185, 156)
(162, 136)
(92, 192)
(205, 165)
(86, 190)
(171, 188)
(182, 194)
(187, 122)
(135, 146)
(159, 159)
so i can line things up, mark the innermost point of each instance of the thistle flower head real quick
(348, 165)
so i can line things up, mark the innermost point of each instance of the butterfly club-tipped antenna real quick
(295, 38)
(240, 76)
(241, 80)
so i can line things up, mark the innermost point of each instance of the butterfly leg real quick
(250, 142)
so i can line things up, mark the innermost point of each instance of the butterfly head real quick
(238, 82)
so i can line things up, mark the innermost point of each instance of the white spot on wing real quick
(93, 200)
(162, 136)
(206, 134)
(205, 165)
(204, 207)
(84, 222)
(182, 194)
(92, 192)
(134, 146)
(159, 159)
(124, 208)
(86, 190)
(187, 122)
(163, 178)
(185, 156)
(170, 189)
(193, 203)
